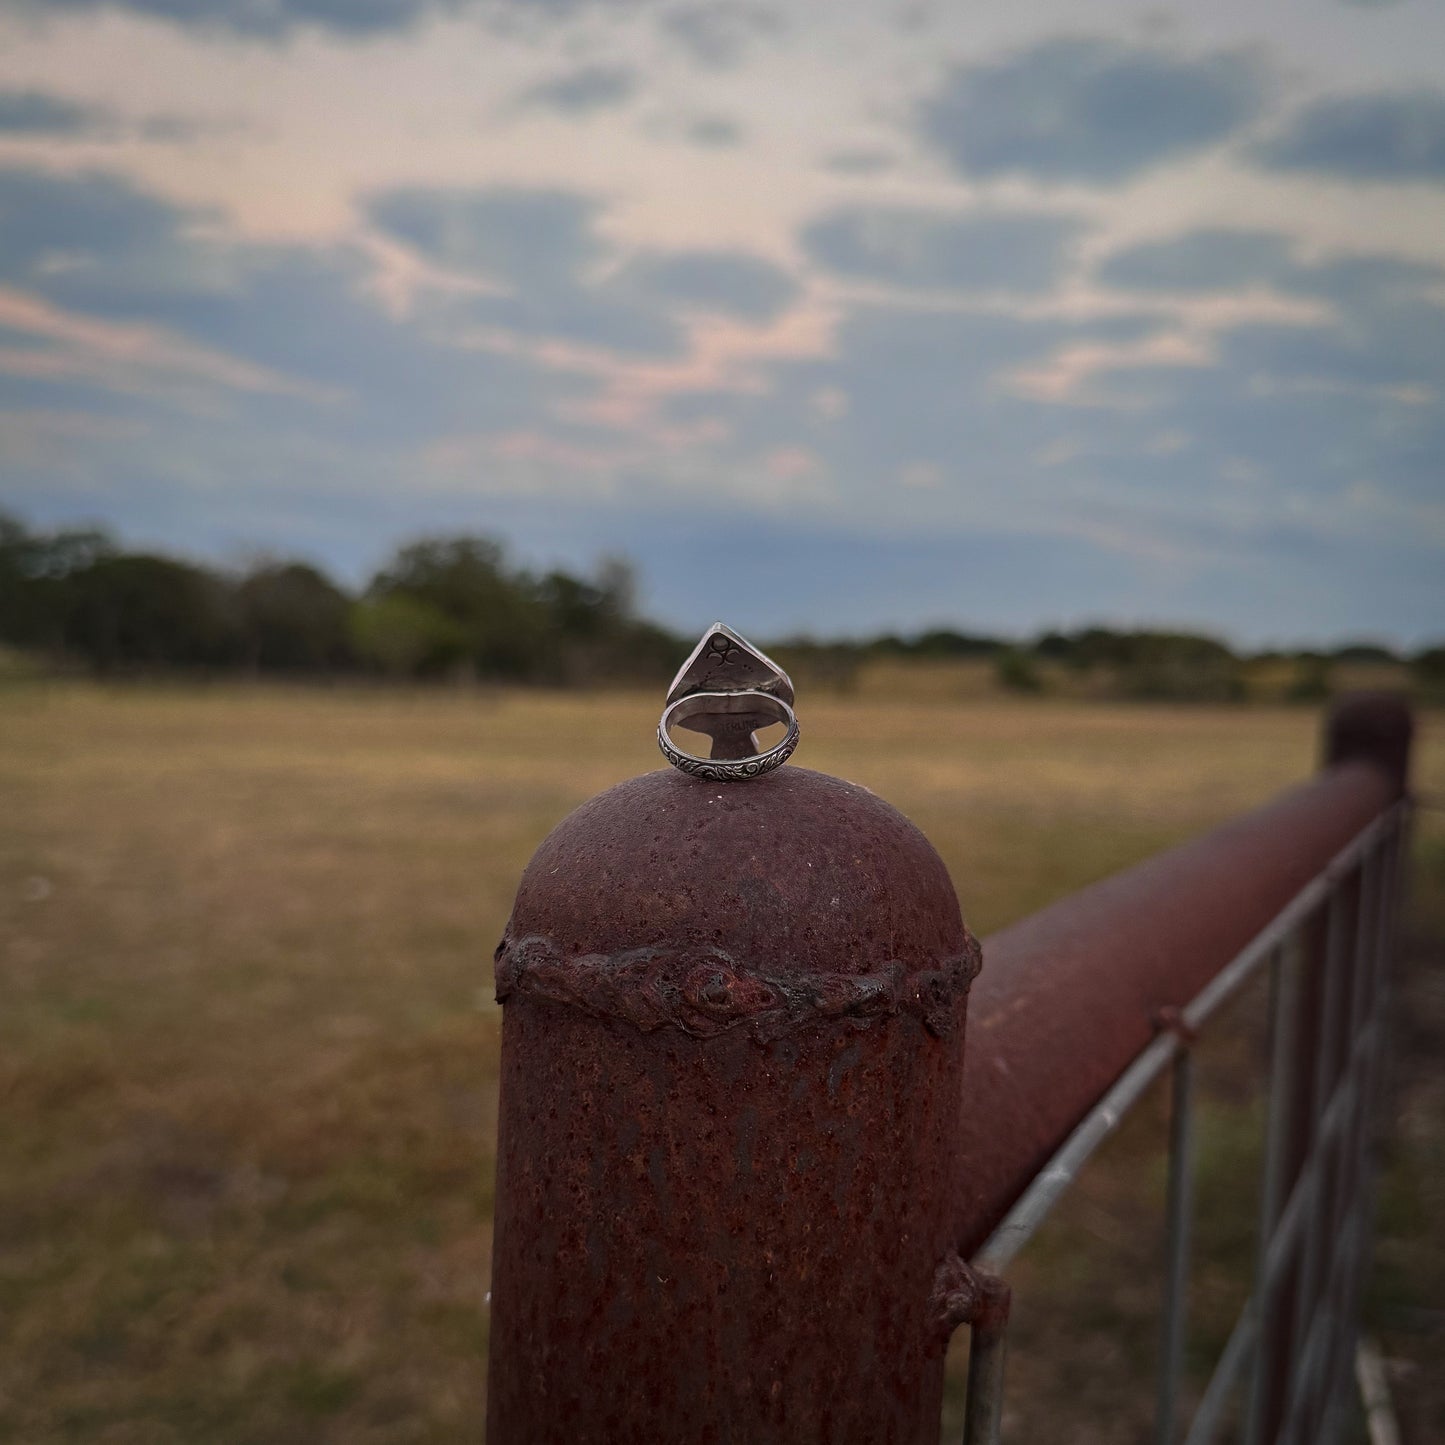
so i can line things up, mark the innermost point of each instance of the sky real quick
(831, 318)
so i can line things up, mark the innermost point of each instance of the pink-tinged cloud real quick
(131, 356)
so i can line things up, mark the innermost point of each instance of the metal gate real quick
(1328, 954)
(766, 1140)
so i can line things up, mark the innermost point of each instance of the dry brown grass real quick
(247, 1047)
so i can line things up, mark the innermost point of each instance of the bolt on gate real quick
(749, 1178)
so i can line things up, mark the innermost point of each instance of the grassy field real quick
(248, 1048)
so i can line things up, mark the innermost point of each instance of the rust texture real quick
(732, 1074)
(1069, 996)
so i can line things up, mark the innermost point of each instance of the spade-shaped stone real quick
(724, 661)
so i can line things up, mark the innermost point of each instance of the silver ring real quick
(749, 707)
(728, 689)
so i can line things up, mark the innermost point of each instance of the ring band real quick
(718, 770)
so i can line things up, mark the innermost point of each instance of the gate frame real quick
(1330, 953)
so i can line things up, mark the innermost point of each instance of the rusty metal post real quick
(1372, 727)
(728, 1155)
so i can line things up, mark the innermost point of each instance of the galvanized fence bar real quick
(1306, 1404)
(1385, 924)
(1323, 1150)
(987, 1351)
(1275, 1233)
(1327, 1417)
(1180, 1213)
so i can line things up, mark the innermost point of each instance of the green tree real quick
(1311, 681)
(466, 581)
(36, 569)
(944, 642)
(1374, 654)
(1427, 668)
(1177, 666)
(406, 637)
(1180, 667)
(133, 610)
(1016, 671)
(293, 619)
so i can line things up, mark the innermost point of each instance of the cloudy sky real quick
(831, 317)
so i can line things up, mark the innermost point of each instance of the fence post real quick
(728, 1150)
(1372, 727)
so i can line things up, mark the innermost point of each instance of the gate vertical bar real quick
(1369, 1141)
(987, 1350)
(1284, 1021)
(1309, 1322)
(1325, 1420)
(1180, 1214)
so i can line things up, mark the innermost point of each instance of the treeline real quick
(457, 608)
(1147, 665)
(446, 607)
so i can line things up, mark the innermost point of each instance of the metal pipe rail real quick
(1118, 981)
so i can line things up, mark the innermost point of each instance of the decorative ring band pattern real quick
(716, 770)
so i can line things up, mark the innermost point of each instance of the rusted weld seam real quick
(705, 991)
(1171, 1020)
(964, 1294)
